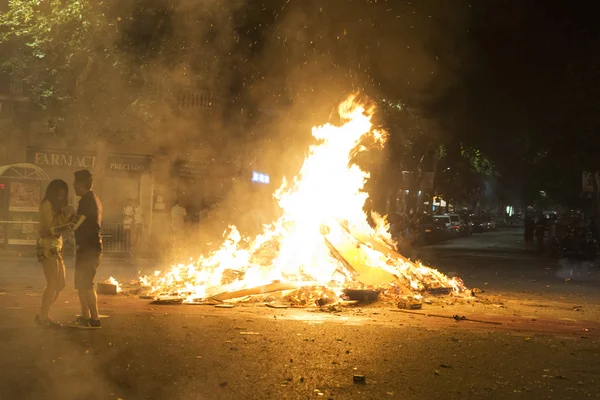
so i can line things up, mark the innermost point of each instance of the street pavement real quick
(527, 335)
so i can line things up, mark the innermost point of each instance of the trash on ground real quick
(365, 296)
(224, 305)
(277, 305)
(106, 288)
(410, 303)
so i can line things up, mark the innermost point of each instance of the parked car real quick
(432, 229)
(500, 222)
(574, 240)
(452, 224)
(479, 225)
(445, 221)
(458, 224)
(490, 224)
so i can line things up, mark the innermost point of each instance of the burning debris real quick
(322, 249)
(109, 286)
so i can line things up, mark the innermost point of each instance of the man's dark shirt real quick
(88, 235)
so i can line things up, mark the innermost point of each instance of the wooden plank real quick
(377, 244)
(357, 259)
(272, 287)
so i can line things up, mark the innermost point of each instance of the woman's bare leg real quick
(51, 273)
(61, 279)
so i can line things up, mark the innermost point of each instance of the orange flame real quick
(325, 196)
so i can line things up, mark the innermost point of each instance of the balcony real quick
(187, 99)
(12, 88)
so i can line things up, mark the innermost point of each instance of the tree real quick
(111, 69)
(464, 175)
(67, 53)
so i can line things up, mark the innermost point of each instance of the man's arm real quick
(68, 227)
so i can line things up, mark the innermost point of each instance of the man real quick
(128, 216)
(89, 249)
(138, 222)
(178, 214)
(540, 230)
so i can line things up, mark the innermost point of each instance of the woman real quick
(54, 211)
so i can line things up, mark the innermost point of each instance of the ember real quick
(322, 243)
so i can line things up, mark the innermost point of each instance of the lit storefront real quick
(118, 177)
(21, 190)
(126, 177)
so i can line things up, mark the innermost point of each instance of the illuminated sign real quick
(259, 177)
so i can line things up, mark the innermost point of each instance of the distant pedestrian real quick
(540, 231)
(54, 212)
(128, 224)
(138, 222)
(178, 215)
(529, 231)
(552, 229)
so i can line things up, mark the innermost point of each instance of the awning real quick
(23, 171)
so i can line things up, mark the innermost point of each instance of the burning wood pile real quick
(321, 250)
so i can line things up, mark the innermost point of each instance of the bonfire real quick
(321, 247)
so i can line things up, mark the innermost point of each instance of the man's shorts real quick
(86, 263)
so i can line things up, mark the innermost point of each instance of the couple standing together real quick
(56, 219)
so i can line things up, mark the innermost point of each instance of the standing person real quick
(54, 212)
(128, 222)
(89, 249)
(138, 222)
(138, 230)
(540, 231)
(551, 229)
(178, 214)
(529, 231)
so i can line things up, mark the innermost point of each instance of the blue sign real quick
(258, 177)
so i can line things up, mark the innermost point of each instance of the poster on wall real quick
(22, 229)
(24, 197)
(158, 202)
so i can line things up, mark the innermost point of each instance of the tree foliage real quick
(51, 44)
(111, 69)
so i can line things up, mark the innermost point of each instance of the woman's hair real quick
(52, 193)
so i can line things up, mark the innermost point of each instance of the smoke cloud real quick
(235, 85)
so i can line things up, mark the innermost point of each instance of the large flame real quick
(323, 204)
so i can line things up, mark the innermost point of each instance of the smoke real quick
(307, 56)
(234, 85)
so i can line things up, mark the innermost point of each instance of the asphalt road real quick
(530, 335)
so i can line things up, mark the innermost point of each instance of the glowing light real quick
(259, 177)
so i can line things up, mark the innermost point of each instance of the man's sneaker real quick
(80, 322)
(95, 324)
(84, 323)
(47, 323)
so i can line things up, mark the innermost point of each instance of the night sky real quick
(517, 79)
